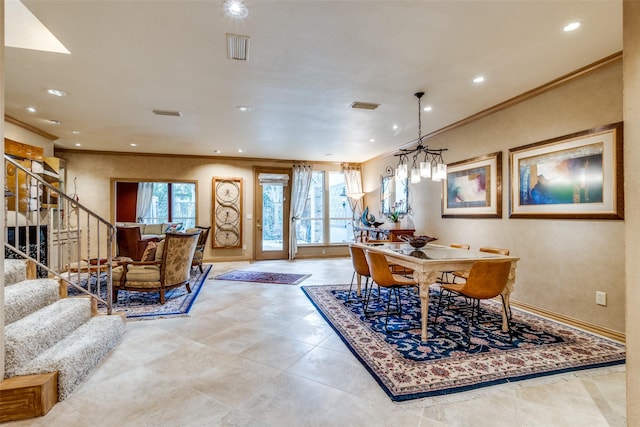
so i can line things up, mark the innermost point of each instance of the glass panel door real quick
(272, 214)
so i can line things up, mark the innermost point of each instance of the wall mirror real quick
(394, 194)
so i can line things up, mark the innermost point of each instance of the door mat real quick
(263, 277)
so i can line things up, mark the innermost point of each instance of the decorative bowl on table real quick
(418, 241)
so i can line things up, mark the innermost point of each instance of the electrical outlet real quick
(601, 298)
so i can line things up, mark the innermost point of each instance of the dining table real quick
(429, 261)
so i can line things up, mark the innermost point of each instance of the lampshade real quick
(425, 169)
(402, 171)
(415, 176)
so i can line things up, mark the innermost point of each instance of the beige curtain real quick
(299, 194)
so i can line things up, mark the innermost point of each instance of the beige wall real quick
(19, 134)
(94, 172)
(563, 262)
(632, 183)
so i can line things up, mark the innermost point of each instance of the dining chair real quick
(360, 267)
(444, 276)
(486, 280)
(462, 274)
(384, 278)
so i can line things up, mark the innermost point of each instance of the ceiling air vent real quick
(364, 105)
(237, 47)
(167, 113)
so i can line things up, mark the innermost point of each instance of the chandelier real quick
(425, 162)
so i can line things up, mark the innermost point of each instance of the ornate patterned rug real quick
(407, 369)
(263, 277)
(146, 305)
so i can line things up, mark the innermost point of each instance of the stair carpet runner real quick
(44, 333)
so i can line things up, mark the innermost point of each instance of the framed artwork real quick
(473, 188)
(227, 213)
(577, 176)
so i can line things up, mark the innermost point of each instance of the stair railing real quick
(65, 239)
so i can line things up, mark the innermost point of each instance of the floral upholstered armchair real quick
(169, 267)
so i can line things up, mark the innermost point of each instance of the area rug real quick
(146, 305)
(263, 277)
(407, 369)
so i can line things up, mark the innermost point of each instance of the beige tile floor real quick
(260, 355)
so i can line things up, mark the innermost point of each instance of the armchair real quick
(202, 241)
(170, 269)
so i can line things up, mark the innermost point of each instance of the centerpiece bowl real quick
(418, 241)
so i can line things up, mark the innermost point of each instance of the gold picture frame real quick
(576, 176)
(473, 188)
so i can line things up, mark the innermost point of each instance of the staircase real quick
(52, 342)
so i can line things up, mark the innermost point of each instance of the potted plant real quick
(394, 217)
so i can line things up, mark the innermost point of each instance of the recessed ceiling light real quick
(372, 140)
(243, 108)
(75, 132)
(77, 144)
(55, 122)
(235, 9)
(134, 145)
(216, 151)
(394, 127)
(571, 27)
(56, 92)
(240, 150)
(478, 79)
(427, 108)
(30, 109)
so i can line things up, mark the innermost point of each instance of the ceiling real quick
(308, 61)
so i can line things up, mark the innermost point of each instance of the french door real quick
(272, 202)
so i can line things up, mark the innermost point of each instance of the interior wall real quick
(632, 199)
(562, 262)
(2, 203)
(24, 136)
(94, 172)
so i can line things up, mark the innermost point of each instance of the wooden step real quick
(28, 396)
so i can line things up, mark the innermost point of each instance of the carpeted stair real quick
(44, 333)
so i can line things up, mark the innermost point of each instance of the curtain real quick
(353, 181)
(299, 194)
(145, 197)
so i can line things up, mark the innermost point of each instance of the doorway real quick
(272, 202)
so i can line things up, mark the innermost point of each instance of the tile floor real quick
(260, 355)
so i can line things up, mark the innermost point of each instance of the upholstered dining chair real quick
(486, 280)
(462, 275)
(444, 276)
(384, 278)
(198, 256)
(170, 268)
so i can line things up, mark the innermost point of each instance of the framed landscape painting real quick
(473, 188)
(577, 176)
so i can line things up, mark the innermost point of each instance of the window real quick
(156, 202)
(327, 216)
